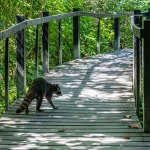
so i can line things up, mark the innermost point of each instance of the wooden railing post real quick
(45, 44)
(98, 36)
(36, 51)
(60, 41)
(21, 59)
(146, 84)
(6, 73)
(137, 61)
(76, 34)
(117, 33)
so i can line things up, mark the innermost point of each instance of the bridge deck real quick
(97, 93)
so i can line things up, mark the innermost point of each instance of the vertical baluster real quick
(137, 63)
(76, 34)
(45, 44)
(98, 36)
(21, 59)
(36, 51)
(146, 84)
(60, 41)
(117, 33)
(6, 74)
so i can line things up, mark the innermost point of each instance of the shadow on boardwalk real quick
(97, 93)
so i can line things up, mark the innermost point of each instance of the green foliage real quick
(34, 8)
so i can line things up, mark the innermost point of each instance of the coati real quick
(39, 88)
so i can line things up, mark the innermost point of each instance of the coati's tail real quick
(27, 100)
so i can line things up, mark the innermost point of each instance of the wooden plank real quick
(55, 130)
(34, 146)
(64, 142)
(64, 134)
(49, 122)
(102, 118)
(59, 112)
(73, 139)
(86, 126)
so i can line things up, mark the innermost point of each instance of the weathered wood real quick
(55, 130)
(36, 51)
(76, 34)
(60, 41)
(63, 134)
(146, 70)
(96, 15)
(117, 33)
(74, 147)
(45, 45)
(98, 36)
(137, 63)
(70, 121)
(14, 29)
(6, 74)
(21, 59)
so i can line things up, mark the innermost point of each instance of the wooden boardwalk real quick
(97, 93)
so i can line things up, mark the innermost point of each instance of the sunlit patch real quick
(80, 106)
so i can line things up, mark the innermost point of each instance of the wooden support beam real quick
(76, 34)
(146, 84)
(6, 74)
(60, 41)
(36, 51)
(137, 64)
(21, 59)
(45, 45)
(117, 33)
(98, 36)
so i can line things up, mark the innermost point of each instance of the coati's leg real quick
(50, 101)
(38, 104)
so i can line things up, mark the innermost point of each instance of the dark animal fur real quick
(39, 88)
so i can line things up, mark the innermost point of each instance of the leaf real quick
(127, 137)
(127, 116)
(61, 130)
(134, 126)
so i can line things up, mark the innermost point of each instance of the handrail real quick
(14, 29)
(96, 15)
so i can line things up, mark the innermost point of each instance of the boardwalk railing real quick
(19, 31)
(22, 24)
(142, 65)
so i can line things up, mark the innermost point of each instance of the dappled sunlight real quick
(96, 97)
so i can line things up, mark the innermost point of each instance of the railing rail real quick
(27, 23)
(142, 66)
